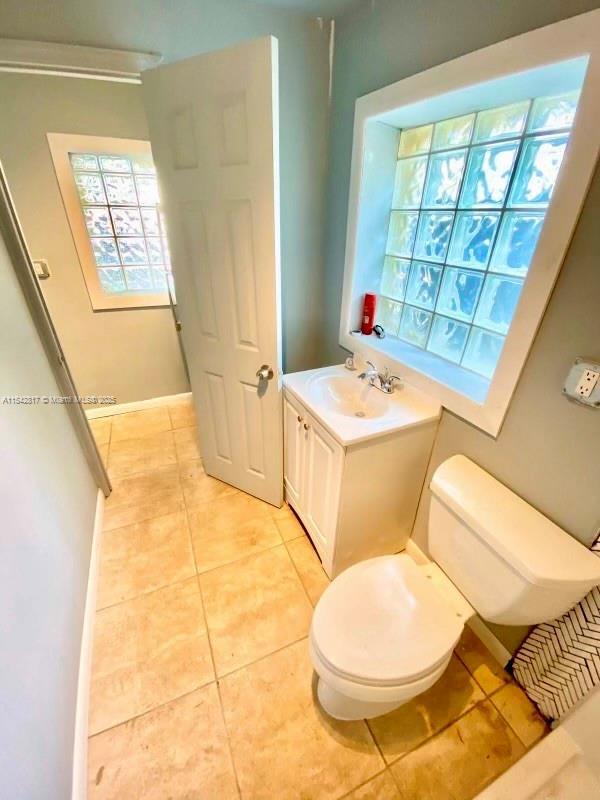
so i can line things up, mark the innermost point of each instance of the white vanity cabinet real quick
(357, 497)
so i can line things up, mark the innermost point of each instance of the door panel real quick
(294, 452)
(214, 132)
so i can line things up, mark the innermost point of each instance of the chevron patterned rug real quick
(559, 662)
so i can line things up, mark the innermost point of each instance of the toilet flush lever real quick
(265, 373)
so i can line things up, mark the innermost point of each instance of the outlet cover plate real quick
(576, 382)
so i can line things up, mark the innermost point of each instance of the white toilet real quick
(384, 630)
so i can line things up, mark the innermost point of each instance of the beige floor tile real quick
(103, 450)
(101, 429)
(142, 557)
(309, 567)
(480, 662)
(148, 651)
(147, 422)
(283, 745)
(253, 607)
(520, 713)
(186, 444)
(231, 528)
(410, 725)
(143, 496)
(200, 488)
(129, 456)
(289, 525)
(178, 751)
(383, 787)
(182, 414)
(457, 763)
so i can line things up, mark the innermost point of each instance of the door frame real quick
(23, 267)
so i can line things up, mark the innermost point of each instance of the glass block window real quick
(120, 204)
(470, 197)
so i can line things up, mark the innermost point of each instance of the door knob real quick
(265, 373)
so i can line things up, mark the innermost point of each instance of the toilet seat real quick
(382, 623)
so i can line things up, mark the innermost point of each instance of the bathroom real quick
(195, 672)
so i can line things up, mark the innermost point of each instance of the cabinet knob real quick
(306, 426)
(299, 418)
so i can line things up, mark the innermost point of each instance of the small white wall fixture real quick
(550, 60)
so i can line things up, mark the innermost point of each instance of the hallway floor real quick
(202, 685)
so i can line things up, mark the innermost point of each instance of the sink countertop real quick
(408, 406)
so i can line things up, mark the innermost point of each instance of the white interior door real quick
(214, 132)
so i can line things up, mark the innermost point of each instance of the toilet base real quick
(340, 706)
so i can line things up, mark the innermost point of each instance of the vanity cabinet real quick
(356, 501)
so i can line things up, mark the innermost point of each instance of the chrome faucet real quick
(384, 381)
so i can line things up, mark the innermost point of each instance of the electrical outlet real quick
(587, 382)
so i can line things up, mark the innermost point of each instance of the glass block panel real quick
(147, 189)
(414, 326)
(143, 164)
(538, 170)
(150, 220)
(112, 279)
(105, 252)
(498, 302)
(433, 235)
(115, 164)
(83, 161)
(401, 236)
(459, 293)
(448, 338)
(517, 239)
(133, 251)
(410, 177)
(443, 179)
(159, 279)
(453, 132)
(501, 123)
(139, 279)
(423, 284)
(97, 221)
(550, 113)
(120, 190)
(388, 315)
(488, 173)
(155, 253)
(394, 277)
(472, 238)
(127, 221)
(90, 188)
(415, 141)
(482, 352)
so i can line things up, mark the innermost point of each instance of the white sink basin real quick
(347, 395)
(352, 410)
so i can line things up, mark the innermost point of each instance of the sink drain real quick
(359, 413)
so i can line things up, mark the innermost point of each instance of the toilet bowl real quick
(382, 633)
(384, 630)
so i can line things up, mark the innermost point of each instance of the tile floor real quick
(201, 684)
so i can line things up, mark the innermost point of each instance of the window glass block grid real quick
(120, 204)
(559, 661)
(469, 202)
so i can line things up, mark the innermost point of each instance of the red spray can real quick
(368, 319)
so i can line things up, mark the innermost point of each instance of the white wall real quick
(47, 506)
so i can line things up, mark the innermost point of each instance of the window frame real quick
(445, 91)
(61, 144)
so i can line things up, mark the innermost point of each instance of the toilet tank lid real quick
(527, 540)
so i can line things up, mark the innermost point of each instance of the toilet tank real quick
(513, 565)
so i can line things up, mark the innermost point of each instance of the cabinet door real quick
(321, 493)
(293, 451)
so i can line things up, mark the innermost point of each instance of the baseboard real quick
(137, 405)
(80, 747)
(477, 625)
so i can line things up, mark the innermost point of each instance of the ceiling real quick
(317, 8)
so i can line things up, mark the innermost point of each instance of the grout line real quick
(261, 658)
(374, 738)
(145, 594)
(294, 565)
(364, 783)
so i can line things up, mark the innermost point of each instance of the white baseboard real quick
(80, 747)
(477, 625)
(137, 405)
